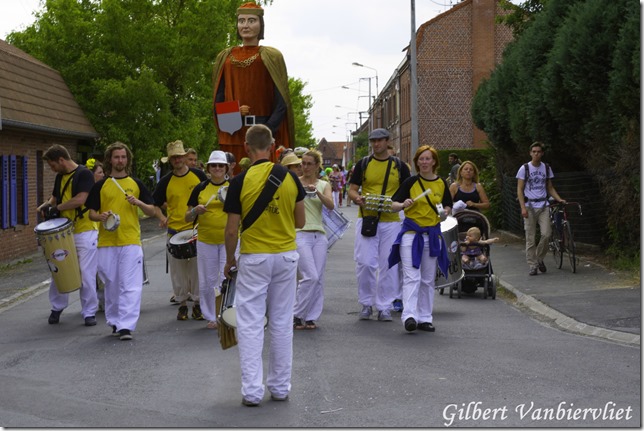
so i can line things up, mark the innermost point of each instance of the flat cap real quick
(379, 134)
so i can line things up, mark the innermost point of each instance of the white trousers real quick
(418, 283)
(184, 275)
(265, 286)
(211, 259)
(85, 243)
(336, 199)
(121, 269)
(377, 284)
(535, 252)
(309, 299)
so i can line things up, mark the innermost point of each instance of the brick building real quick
(455, 51)
(36, 110)
(332, 152)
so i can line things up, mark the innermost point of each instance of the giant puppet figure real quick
(251, 87)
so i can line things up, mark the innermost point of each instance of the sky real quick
(320, 39)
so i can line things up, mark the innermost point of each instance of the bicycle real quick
(562, 240)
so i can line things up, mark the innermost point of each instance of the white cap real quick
(218, 157)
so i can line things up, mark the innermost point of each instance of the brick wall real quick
(20, 240)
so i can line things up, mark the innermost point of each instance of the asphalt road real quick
(487, 365)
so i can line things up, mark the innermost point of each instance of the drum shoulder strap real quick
(275, 179)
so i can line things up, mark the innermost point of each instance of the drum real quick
(183, 245)
(112, 222)
(335, 225)
(449, 229)
(227, 312)
(56, 236)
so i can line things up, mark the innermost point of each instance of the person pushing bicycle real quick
(534, 185)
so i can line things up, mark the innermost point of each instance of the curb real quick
(569, 324)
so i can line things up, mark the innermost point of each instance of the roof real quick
(336, 147)
(33, 96)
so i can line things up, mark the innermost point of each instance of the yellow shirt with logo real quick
(421, 212)
(212, 223)
(175, 191)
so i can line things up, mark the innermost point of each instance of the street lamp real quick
(367, 67)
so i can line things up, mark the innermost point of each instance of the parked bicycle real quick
(562, 240)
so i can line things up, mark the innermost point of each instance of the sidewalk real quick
(593, 302)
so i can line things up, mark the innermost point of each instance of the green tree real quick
(302, 104)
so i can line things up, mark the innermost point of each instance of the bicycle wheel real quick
(569, 241)
(556, 247)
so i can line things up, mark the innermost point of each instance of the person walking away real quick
(420, 246)
(379, 174)
(255, 77)
(456, 164)
(120, 255)
(312, 244)
(211, 254)
(267, 265)
(534, 185)
(171, 193)
(71, 187)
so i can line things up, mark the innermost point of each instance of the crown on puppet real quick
(250, 8)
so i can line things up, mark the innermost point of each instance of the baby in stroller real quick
(472, 255)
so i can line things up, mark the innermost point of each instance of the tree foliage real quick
(572, 80)
(142, 69)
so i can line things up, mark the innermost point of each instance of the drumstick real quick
(210, 200)
(422, 194)
(118, 185)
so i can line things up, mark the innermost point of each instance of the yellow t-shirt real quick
(84, 180)
(174, 190)
(420, 211)
(106, 196)
(212, 223)
(274, 230)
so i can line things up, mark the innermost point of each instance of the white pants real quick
(336, 199)
(265, 282)
(85, 243)
(418, 283)
(185, 278)
(121, 269)
(211, 259)
(309, 299)
(536, 252)
(377, 284)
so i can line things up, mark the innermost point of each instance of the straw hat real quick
(174, 149)
(291, 159)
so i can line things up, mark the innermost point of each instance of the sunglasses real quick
(218, 165)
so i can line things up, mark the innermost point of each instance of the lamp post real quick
(367, 67)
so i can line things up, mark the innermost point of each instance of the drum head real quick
(182, 237)
(229, 316)
(52, 225)
(113, 221)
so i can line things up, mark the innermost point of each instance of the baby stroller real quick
(476, 274)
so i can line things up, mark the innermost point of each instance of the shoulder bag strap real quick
(420, 183)
(275, 179)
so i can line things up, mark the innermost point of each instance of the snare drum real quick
(449, 229)
(227, 312)
(57, 239)
(183, 245)
(335, 225)
(112, 222)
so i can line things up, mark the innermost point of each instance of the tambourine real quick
(112, 222)
(380, 203)
(221, 193)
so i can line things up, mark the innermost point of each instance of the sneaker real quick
(298, 324)
(426, 326)
(90, 321)
(173, 300)
(398, 305)
(196, 312)
(125, 335)
(366, 312)
(533, 271)
(410, 324)
(115, 333)
(279, 398)
(384, 316)
(54, 317)
(542, 266)
(183, 313)
(249, 403)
